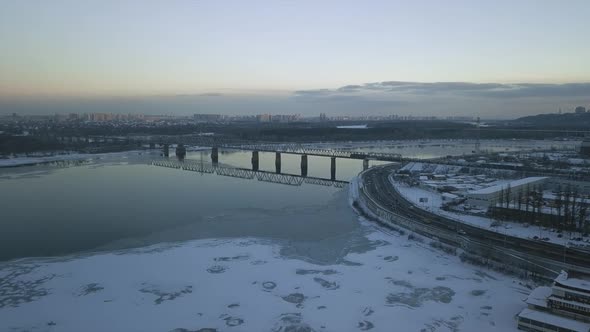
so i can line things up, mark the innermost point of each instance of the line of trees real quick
(568, 211)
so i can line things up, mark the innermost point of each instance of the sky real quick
(484, 58)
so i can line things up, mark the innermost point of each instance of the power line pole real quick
(477, 142)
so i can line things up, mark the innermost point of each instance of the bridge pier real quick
(333, 168)
(255, 161)
(278, 162)
(365, 164)
(152, 145)
(214, 155)
(303, 165)
(180, 151)
(166, 150)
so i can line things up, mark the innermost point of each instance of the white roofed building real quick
(564, 307)
(489, 196)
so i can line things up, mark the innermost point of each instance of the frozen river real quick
(137, 247)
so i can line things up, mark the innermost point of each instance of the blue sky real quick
(266, 54)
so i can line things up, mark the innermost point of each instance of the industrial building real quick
(491, 195)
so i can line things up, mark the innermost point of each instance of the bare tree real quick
(574, 208)
(507, 198)
(559, 204)
(527, 197)
(566, 206)
(582, 213)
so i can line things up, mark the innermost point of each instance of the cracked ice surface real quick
(248, 284)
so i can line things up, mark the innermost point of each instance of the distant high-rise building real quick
(580, 109)
(323, 117)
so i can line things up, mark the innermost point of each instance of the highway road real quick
(378, 187)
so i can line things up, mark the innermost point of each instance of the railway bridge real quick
(304, 150)
(246, 173)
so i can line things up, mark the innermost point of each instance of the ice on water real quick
(248, 284)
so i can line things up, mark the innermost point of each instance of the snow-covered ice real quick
(385, 282)
(31, 160)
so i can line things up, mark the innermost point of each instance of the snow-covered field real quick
(434, 202)
(384, 283)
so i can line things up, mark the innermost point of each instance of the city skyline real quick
(500, 60)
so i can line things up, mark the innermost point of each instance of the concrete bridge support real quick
(214, 155)
(255, 161)
(278, 162)
(333, 168)
(152, 145)
(166, 150)
(180, 151)
(303, 165)
(365, 164)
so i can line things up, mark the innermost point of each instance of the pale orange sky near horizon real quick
(99, 50)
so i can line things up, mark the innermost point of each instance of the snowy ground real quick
(386, 283)
(434, 202)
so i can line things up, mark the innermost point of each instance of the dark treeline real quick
(23, 144)
(567, 121)
(42, 137)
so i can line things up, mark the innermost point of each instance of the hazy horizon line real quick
(441, 99)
